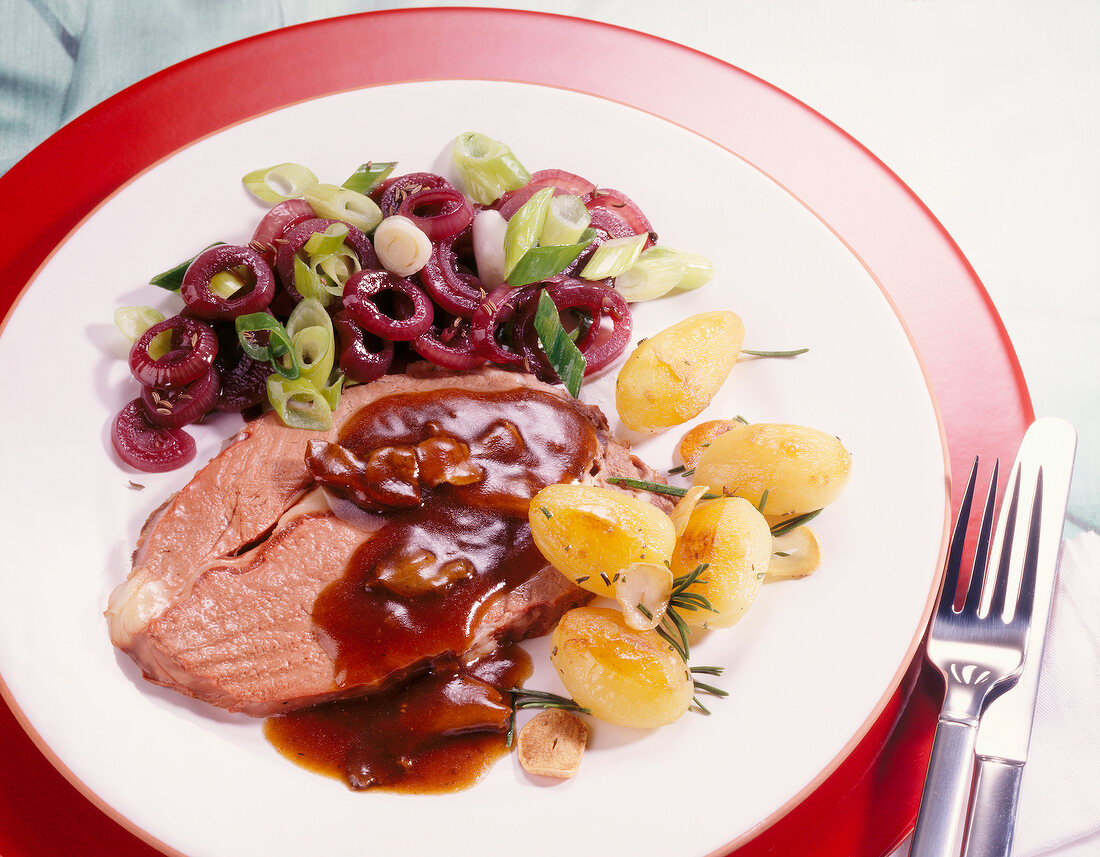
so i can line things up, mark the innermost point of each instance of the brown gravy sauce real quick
(452, 472)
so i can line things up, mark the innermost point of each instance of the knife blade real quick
(1005, 731)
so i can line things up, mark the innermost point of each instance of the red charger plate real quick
(867, 805)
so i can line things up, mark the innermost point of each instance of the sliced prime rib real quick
(220, 602)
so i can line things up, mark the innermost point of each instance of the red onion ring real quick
(598, 345)
(195, 288)
(147, 447)
(454, 290)
(357, 361)
(279, 219)
(452, 347)
(194, 348)
(560, 180)
(244, 383)
(397, 189)
(295, 238)
(502, 306)
(360, 291)
(623, 207)
(438, 212)
(180, 406)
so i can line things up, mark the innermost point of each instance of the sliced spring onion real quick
(560, 350)
(566, 220)
(308, 313)
(538, 263)
(651, 276)
(133, 321)
(309, 283)
(328, 242)
(279, 183)
(225, 284)
(310, 330)
(613, 257)
(275, 348)
(369, 176)
(401, 245)
(299, 404)
(173, 277)
(331, 393)
(315, 351)
(697, 269)
(336, 269)
(488, 240)
(339, 203)
(487, 167)
(525, 227)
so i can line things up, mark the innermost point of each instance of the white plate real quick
(807, 669)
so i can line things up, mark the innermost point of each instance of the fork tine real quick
(981, 554)
(958, 541)
(1024, 603)
(1000, 590)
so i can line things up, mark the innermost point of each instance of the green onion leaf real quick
(172, 279)
(696, 270)
(538, 263)
(487, 167)
(331, 393)
(279, 183)
(225, 284)
(328, 242)
(264, 339)
(566, 220)
(660, 270)
(339, 203)
(525, 227)
(299, 404)
(133, 321)
(613, 257)
(310, 330)
(563, 354)
(308, 282)
(369, 176)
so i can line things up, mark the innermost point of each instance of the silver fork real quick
(980, 655)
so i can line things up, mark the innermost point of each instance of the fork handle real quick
(946, 791)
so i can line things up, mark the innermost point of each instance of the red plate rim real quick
(867, 804)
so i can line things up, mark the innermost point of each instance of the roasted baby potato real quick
(627, 677)
(592, 534)
(735, 542)
(672, 376)
(801, 469)
(695, 442)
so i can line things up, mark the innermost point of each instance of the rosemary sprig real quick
(790, 524)
(793, 353)
(524, 698)
(700, 687)
(655, 487)
(672, 628)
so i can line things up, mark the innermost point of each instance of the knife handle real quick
(946, 791)
(993, 808)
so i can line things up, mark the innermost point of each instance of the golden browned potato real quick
(672, 376)
(801, 469)
(592, 534)
(735, 542)
(624, 676)
(695, 442)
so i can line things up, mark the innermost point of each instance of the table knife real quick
(1005, 730)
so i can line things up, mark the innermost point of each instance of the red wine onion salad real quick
(340, 285)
